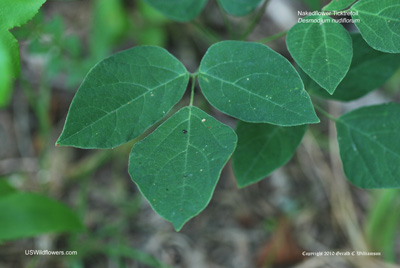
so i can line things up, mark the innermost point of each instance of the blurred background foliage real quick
(69, 199)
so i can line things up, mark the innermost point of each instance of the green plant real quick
(24, 214)
(382, 224)
(27, 214)
(178, 165)
(12, 14)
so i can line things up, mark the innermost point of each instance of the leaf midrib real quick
(189, 132)
(131, 101)
(328, 63)
(377, 15)
(254, 94)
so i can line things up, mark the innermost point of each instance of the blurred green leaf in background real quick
(13, 13)
(28, 214)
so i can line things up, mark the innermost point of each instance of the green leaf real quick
(9, 65)
(14, 13)
(336, 5)
(150, 14)
(110, 22)
(263, 148)
(179, 10)
(369, 146)
(239, 7)
(313, 5)
(369, 70)
(379, 23)
(25, 215)
(111, 17)
(381, 225)
(10, 46)
(178, 166)
(123, 96)
(6, 188)
(253, 83)
(153, 36)
(5, 76)
(322, 48)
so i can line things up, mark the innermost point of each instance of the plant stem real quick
(255, 21)
(272, 37)
(379, 216)
(209, 34)
(226, 21)
(192, 91)
(322, 111)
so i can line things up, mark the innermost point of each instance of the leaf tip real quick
(178, 225)
(314, 119)
(61, 142)
(58, 142)
(331, 91)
